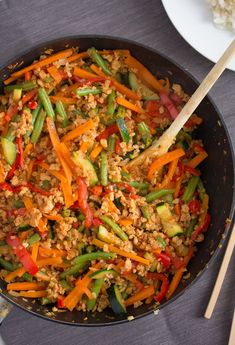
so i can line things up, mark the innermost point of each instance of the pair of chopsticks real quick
(161, 146)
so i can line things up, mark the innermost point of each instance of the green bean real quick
(97, 58)
(139, 185)
(46, 102)
(75, 269)
(81, 259)
(27, 276)
(104, 169)
(191, 227)
(156, 194)
(88, 91)
(145, 212)
(81, 248)
(116, 228)
(11, 134)
(145, 133)
(111, 143)
(38, 127)
(95, 289)
(26, 86)
(33, 239)
(7, 265)
(201, 189)
(35, 113)
(190, 189)
(65, 285)
(111, 103)
(123, 130)
(62, 113)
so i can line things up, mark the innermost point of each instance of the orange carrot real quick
(51, 252)
(27, 76)
(61, 55)
(144, 74)
(29, 206)
(121, 252)
(9, 80)
(17, 273)
(96, 151)
(56, 217)
(77, 56)
(27, 149)
(129, 105)
(140, 295)
(163, 160)
(50, 261)
(34, 254)
(171, 171)
(33, 294)
(84, 146)
(66, 100)
(125, 221)
(24, 234)
(197, 159)
(83, 128)
(98, 71)
(2, 175)
(55, 173)
(177, 209)
(67, 191)
(68, 89)
(28, 96)
(24, 286)
(178, 275)
(54, 72)
(65, 154)
(30, 170)
(178, 187)
(82, 73)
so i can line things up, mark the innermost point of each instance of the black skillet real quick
(217, 172)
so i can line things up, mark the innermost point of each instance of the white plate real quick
(194, 21)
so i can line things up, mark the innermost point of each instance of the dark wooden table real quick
(25, 23)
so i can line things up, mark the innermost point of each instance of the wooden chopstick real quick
(161, 146)
(221, 275)
(232, 332)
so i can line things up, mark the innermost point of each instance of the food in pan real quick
(78, 229)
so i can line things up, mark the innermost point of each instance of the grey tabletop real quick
(25, 23)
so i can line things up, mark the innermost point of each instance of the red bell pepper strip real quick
(176, 99)
(177, 262)
(164, 287)
(201, 228)
(23, 255)
(28, 96)
(167, 102)
(165, 259)
(96, 222)
(194, 206)
(107, 132)
(82, 202)
(198, 148)
(6, 186)
(60, 302)
(19, 144)
(192, 171)
(117, 146)
(12, 111)
(37, 189)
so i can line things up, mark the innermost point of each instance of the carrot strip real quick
(119, 87)
(17, 273)
(61, 55)
(86, 126)
(65, 154)
(55, 173)
(125, 221)
(54, 72)
(171, 171)
(24, 234)
(111, 206)
(28, 96)
(178, 274)
(66, 100)
(67, 191)
(140, 295)
(56, 217)
(27, 76)
(29, 206)
(84, 146)
(30, 170)
(51, 252)
(33, 294)
(42, 277)
(96, 151)
(129, 105)
(178, 187)
(24, 286)
(50, 261)
(164, 159)
(197, 159)
(144, 74)
(9, 80)
(177, 209)
(77, 56)
(82, 73)
(2, 175)
(121, 252)
(27, 149)
(34, 254)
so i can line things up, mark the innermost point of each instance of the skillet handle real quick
(5, 309)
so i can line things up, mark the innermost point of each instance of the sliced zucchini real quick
(136, 85)
(106, 236)
(116, 301)
(86, 165)
(17, 93)
(170, 226)
(101, 274)
(9, 150)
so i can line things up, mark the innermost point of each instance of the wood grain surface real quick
(25, 23)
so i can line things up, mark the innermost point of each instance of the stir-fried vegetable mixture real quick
(78, 230)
